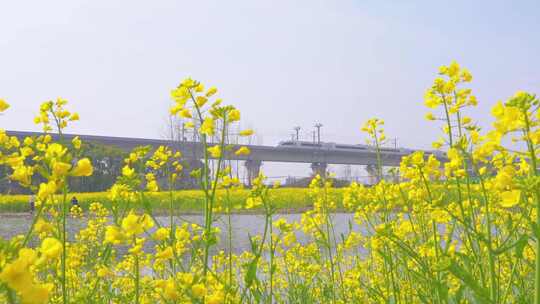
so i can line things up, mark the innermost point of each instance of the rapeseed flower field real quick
(463, 231)
(184, 201)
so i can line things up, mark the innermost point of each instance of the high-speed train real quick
(347, 147)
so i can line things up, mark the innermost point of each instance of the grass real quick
(185, 201)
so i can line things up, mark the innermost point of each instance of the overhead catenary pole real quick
(318, 126)
(184, 131)
(297, 129)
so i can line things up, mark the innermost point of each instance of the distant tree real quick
(5, 183)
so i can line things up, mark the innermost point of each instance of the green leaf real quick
(467, 278)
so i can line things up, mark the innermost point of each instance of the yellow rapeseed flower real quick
(242, 151)
(510, 198)
(43, 226)
(60, 169)
(16, 275)
(176, 108)
(103, 272)
(22, 174)
(28, 141)
(128, 171)
(83, 168)
(215, 298)
(55, 150)
(133, 224)
(215, 151)
(152, 186)
(253, 202)
(51, 248)
(113, 235)
(198, 290)
(162, 234)
(430, 116)
(207, 127)
(199, 88)
(211, 91)
(76, 141)
(246, 132)
(180, 95)
(3, 105)
(170, 291)
(37, 293)
(188, 82)
(185, 113)
(46, 190)
(200, 101)
(165, 254)
(234, 115)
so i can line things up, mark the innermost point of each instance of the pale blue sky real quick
(282, 63)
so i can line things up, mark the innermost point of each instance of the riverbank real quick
(285, 200)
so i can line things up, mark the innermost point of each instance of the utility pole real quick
(297, 129)
(318, 126)
(313, 133)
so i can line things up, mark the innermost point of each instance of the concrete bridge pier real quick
(253, 169)
(373, 174)
(319, 168)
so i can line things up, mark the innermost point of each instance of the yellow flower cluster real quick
(18, 274)
(54, 111)
(454, 228)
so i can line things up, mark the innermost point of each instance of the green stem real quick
(229, 231)
(208, 222)
(271, 262)
(32, 226)
(533, 172)
(205, 187)
(64, 252)
(137, 278)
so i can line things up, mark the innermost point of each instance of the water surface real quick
(243, 225)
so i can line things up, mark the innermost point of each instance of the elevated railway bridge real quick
(320, 155)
